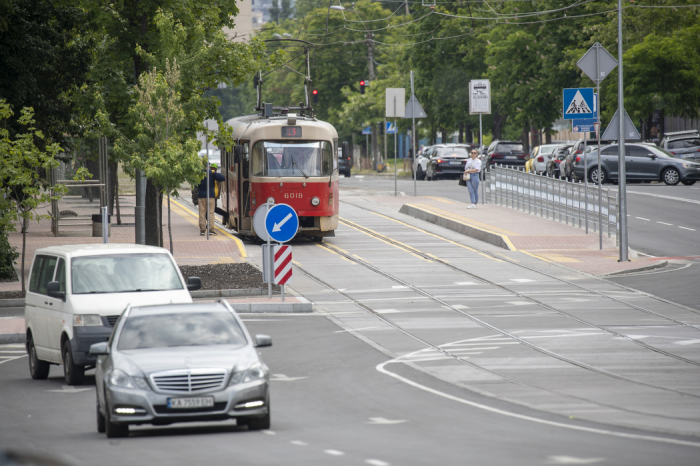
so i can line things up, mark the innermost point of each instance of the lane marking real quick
(334, 252)
(239, 243)
(612, 433)
(399, 287)
(460, 306)
(299, 443)
(334, 452)
(572, 460)
(386, 311)
(284, 378)
(298, 264)
(374, 462)
(355, 329)
(665, 197)
(381, 420)
(686, 228)
(465, 283)
(641, 218)
(269, 432)
(664, 223)
(490, 257)
(521, 280)
(686, 342)
(518, 303)
(535, 256)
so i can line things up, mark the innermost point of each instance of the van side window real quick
(61, 274)
(42, 274)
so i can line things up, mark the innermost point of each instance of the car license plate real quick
(511, 156)
(455, 162)
(185, 403)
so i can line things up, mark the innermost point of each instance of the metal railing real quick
(551, 198)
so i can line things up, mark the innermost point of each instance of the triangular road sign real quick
(414, 109)
(612, 132)
(578, 105)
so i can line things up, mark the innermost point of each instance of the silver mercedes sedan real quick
(180, 363)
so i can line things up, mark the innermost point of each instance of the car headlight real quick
(256, 371)
(141, 383)
(87, 320)
(119, 379)
(691, 165)
(315, 201)
(270, 200)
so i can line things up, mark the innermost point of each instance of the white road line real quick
(386, 311)
(521, 280)
(665, 197)
(334, 452)
(664, 223)
(465, 283)
(452, 345)
(299, 443)
(355, 329)
(686, 228)
(13, 351)
(518, 303)
(374, 462)
(12, 359)
(572, 460)
(642, 218)
(592, 430)
(686, 342)
(269, 432)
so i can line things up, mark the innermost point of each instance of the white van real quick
(76, 294)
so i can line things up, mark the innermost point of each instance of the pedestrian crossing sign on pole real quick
(579, 103)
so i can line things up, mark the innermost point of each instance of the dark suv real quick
(509, 153)
(345, 160)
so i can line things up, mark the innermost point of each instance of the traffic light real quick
(315, 94)
(362, 86)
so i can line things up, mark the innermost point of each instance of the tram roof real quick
(258, 127)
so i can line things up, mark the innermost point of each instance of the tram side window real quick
(292, 159)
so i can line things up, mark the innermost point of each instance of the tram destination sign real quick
(291, 131)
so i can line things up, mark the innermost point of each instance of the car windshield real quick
(180, 329)
(453, 152)
(684, 144)
(124, 273)
(510, 147)
(546, 149)
(299, 158)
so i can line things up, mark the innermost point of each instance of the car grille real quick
(162, 409)
(189, 381)
(112, 320)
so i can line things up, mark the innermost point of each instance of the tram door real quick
(242, 190)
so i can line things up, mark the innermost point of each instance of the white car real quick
(77, 293)
(544, 155)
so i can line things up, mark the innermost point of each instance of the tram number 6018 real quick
(293, 195)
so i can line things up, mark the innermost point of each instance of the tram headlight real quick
(270, 200)
(315, 201)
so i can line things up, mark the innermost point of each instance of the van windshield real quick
(298, 158)
(124, 273)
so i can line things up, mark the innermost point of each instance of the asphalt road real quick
(426, 347)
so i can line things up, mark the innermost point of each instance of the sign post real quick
(395, 107)
(480, 103)
(597, 63)
(281, 224)
(413, 111)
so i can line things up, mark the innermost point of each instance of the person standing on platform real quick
(208, 199)
(471, 174)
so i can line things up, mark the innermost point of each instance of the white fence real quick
(557, 199)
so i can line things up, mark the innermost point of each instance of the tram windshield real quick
(298, 158)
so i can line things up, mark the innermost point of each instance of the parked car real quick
(509, 153)
(540, 156)
(180, 363)
(421, 162)
(446, 162)
(77, 293)
(684, 144)
(554, 164)
(576, 151)
(643, 162)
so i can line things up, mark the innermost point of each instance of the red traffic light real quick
(315, 92)
(362, 83)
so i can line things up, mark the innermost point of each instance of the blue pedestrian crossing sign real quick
(579, 103)
(281, 223)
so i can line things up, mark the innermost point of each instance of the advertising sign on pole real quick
(398, 110)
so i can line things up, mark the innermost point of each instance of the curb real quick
(6, 338)
(657, 265)
(480, 234)
(16, 302)
(230, 293)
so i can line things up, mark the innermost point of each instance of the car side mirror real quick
(99, 349)
(53, 289)
(263, 340)
(193, 283)
(652, 156)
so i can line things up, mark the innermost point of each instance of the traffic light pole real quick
(413, 134)
(622, 173)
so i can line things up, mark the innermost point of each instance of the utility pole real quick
(622, 183)
(370, 67)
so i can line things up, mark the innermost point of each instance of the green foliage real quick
(8, 255)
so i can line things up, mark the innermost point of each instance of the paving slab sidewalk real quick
(546, 239)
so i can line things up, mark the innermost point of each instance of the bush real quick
(8, 254)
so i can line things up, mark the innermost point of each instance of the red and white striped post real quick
(282, 266)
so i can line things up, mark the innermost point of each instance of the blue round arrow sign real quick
(281, 223)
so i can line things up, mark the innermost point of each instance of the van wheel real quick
(73, 374)
(38, 369)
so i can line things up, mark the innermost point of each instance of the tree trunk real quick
(443, 135)
(468, 136)
(170, 230)
(374, 140)
(112, 186)
(94, 168)
(498, 121)
(548, 135)
(160, 219)
(461, 133)
(151, 214)
(535, 134)
(525, 139)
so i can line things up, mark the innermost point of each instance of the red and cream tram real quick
(285, 159)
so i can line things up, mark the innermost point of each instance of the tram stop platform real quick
(545, 239)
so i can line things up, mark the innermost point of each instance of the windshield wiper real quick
(295, 165)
